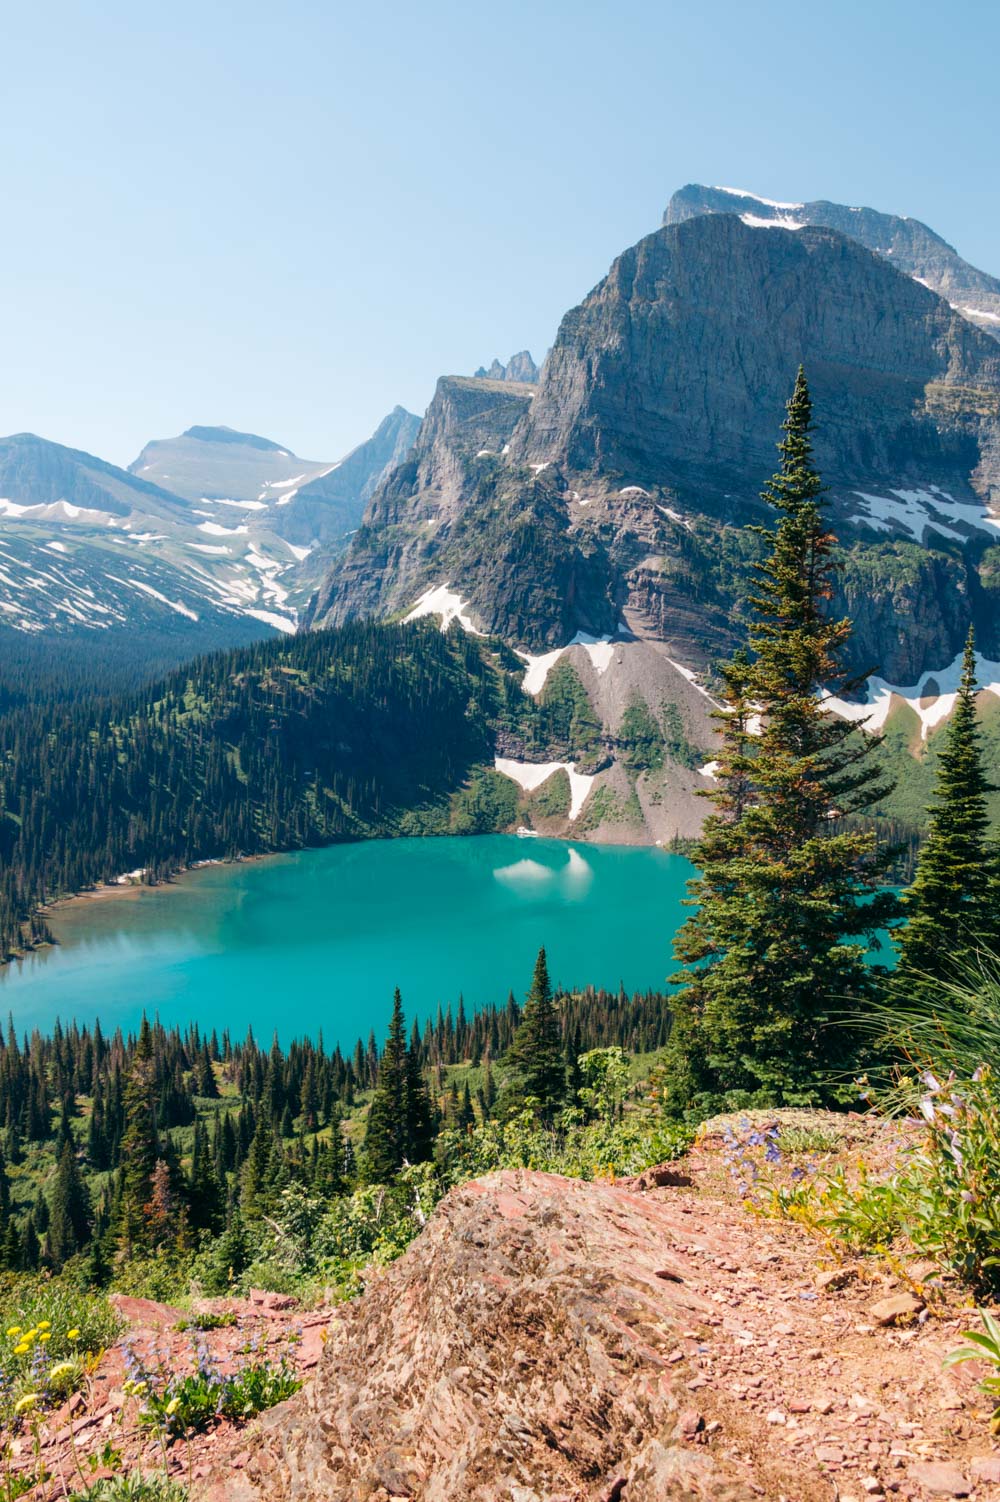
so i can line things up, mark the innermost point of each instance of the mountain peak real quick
(520, 367)
(232, 435)
(911, 246)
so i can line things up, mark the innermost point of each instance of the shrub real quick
(178, 1405)
(133, 1487)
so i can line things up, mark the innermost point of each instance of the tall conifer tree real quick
(948, 906)
(535, 1066)
(786, 889)
(139, 1145)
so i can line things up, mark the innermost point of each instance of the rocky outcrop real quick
(331, 506)
(911, 246)
(526, 1347)
(520, 367)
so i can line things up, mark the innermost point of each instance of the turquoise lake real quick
(316, 941)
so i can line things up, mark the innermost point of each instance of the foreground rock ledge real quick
(525, 1348)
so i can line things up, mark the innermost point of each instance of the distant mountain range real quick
(594, 513)
(201, 532)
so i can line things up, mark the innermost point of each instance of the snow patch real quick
(710, 769)
(772, 203)
(600, 650)
(299, 553)
(215, 530)
(754, 222)
(539, 467)
(530, 775)
(915, 511)
(57, 547)
(155, 593)
(979, 313)
(444, 602)
(634, 490)
(932, 697)
(280, 622)
(244, 505)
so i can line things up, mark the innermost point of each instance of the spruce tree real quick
(948, 906)
(789, 889)
(69, 1210)
(139, 1145)
(419, 1113)
(386, 1129)
(534, 1066)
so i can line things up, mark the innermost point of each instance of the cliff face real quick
(675, 370)
(554, 509)
(911, 246)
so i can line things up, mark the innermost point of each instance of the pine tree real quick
(948, 906)
(534, 1067)
(419, 1115)
(69, 1211)
(386, 1130)
(790, 884)
(139, 1145)
(400, 1127)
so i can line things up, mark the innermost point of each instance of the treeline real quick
(213, 1127)
(287, 743)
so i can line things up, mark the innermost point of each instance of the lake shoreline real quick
(317, 940)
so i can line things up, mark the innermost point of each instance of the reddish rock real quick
(987, 1468)
(899, 1307)
(940, 1479)
(147, 1312)
(416, 1385)
(274, 1303)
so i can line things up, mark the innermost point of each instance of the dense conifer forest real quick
(287, 743)
(108, 1140)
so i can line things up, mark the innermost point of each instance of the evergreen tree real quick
(948, 907)
(419, 1115)
(139, 1145)
(69, 1211)
(535, 1068)
(400, 1127)
(789, 883)
(386, 1130)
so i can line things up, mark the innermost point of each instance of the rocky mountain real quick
(912, 246)
(520, 367)
(597, 521)
(623, 481)
(203, 532)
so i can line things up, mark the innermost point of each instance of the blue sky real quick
(289, 218)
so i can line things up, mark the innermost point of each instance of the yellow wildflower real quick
(62, 1369)
(172, 1407)
(22, 1349)
(72, 1335)
(14, 1330)
(23, 1405)
(45, 1335)
(45, 1324)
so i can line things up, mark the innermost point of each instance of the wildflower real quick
(927, 1111)
(22, 1349)
(62, 1369)
(25, 1404)
(45, 1324)
(14, 1330)
(931, 1083)
(172, 1407)
(72, 1334)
